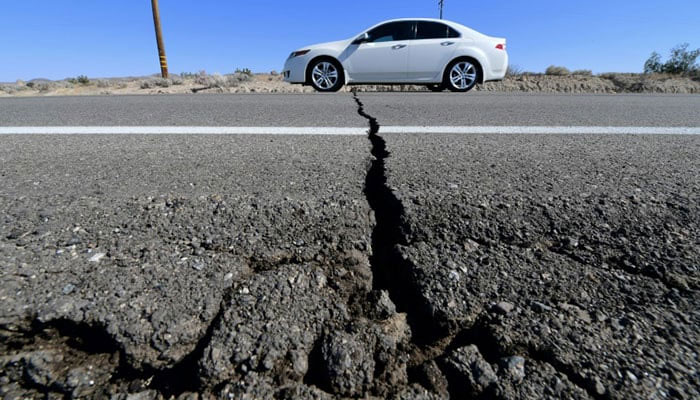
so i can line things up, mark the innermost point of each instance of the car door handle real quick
(447, 43)
(398, 47)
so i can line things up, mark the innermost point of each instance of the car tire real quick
(325, 75)
(439, 87)
(462, 75)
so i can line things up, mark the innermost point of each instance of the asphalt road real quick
(408, 266)
(338, 110)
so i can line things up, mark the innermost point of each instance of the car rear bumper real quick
(498, 66)
(295, 70)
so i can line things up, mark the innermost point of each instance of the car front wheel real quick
(326, 75)
(462, 76)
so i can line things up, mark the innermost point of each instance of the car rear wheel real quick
(462, 76)
(326, 75)
(436, 87)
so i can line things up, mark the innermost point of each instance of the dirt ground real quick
(243, 82)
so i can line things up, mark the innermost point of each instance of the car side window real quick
(434, 30)
(393, 31)
(451, 33)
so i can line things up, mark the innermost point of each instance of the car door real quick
(382, 56)
(432, 49)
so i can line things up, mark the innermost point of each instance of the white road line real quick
(551, 130)
(179, 130)
(346, 131)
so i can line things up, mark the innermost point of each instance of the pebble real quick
(599, 387)
(515, 366)
(540, 307)
(228, 276)
(97, 257)
(69, 288)
(504, 307)
(199, 265)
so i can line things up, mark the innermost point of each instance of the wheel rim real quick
(325, 75)
(463, 75)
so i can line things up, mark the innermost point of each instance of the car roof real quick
(452, 24)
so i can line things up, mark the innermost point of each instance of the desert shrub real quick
(102, 83)
(155, 82)
(42, 87)
(30, 85)
(163, 82)
(583, 72)
(218, 80)
(202, 78)
(80, 79)
(609, 75)
(274, 73)
(176, 80)
(188, 75)
(557, 71)
(681, 62)
(245, 71)
(514, 70)
(239, 77)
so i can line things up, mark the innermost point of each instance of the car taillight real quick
(501, 46)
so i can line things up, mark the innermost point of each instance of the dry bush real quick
(582, 72)
(557, 71)
(245, 71)
(155, 82)
(80, 79)
(222, 81)
(514, 70)
(9, 89)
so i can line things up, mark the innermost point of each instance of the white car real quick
(438, 53)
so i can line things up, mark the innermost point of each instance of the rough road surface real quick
(404, 266)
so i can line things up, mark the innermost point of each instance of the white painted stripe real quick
(179, 130)
(281, 130)
(551, 130)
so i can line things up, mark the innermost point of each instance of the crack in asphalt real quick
(391, 272)
(389, 269)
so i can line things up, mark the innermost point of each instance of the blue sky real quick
(102, 38)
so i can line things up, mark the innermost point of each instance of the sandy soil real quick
(273, 83)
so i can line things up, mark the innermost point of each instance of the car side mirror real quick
(362, 39)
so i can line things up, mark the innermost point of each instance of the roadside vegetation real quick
(199, 81)
(681, 62)
(679, 74)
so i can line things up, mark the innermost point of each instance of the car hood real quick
(338, 45)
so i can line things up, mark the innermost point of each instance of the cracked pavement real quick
(404, 266)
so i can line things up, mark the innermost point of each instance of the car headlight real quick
(299, 53)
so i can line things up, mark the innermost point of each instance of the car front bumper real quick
(295, 70)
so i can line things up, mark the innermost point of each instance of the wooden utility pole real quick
(159, 39)
(442, 3)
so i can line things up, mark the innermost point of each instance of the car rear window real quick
(434, 30)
